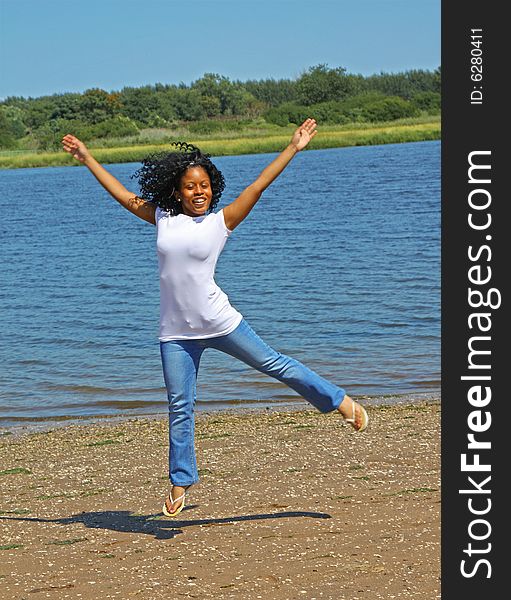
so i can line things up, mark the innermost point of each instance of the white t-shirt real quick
(192, 305)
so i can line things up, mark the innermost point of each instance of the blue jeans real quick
(180, 361)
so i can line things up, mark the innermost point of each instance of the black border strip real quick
(474, 258)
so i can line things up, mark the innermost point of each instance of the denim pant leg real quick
(243, 343)
(180, 361)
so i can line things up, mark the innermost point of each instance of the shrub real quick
(7, 141)
(329, 112)
(427, 101)
(389, 109)
(205, 127)
(119, 126)
(7, 136)
(287, 113)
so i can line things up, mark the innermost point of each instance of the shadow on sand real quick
(160, 528)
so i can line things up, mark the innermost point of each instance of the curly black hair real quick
(161, 172)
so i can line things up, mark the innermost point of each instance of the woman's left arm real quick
(236, 211)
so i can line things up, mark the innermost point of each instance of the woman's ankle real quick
(346, 406)
(178, 490)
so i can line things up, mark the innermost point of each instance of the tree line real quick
(215, 103)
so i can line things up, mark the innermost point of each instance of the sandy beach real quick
(291, 504)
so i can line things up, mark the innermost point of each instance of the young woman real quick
(180, 191)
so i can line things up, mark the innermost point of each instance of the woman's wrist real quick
(88, 160)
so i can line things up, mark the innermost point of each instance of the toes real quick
(360, 417)
(173, 505)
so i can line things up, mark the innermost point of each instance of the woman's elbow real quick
(257, 188)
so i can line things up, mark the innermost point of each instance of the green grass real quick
(246, 142)
(103, 443)
(413, 491)
(16, 471)
(51, 496)
(11, 546)
(66, 542)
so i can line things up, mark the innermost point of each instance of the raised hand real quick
(304, 134)
(75, 147)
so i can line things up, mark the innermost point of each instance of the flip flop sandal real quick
(365, 417)
(167, 512)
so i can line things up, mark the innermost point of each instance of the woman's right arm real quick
(141, 208)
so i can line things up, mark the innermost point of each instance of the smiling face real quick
(195, 193)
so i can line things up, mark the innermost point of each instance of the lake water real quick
(338, 265)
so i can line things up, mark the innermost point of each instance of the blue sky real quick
(56, 46)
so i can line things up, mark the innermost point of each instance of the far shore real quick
(402, 131)
(290, 504)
